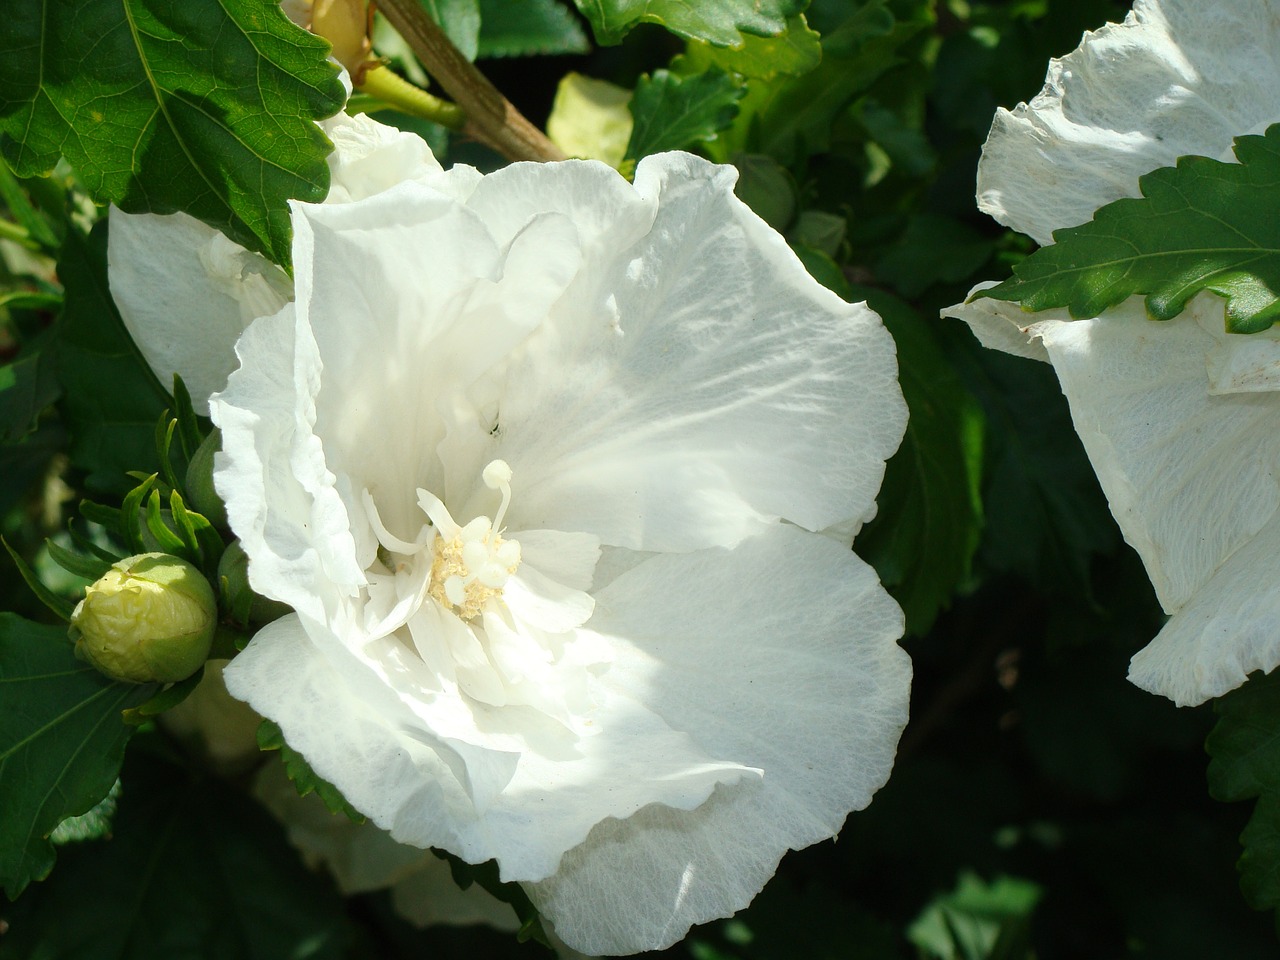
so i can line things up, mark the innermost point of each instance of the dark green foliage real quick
(162, 105)
(721, 22)
(61, 742)
(929, 519)
(1202, 225)
(112, 432)
(192, 869)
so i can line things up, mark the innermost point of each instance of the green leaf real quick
(933, 249)
(1245, 752)
(1046, 516)
(61, 742)
(521, 28)
(112, 431)
(797, 117)
(1201, 225)
(60, 606)
(929, 521)
(161, 105)
(486, 875)
(720, 22)
(193, 869)
(460, 20)
(672, 112)
(306, 780)
(27, 386)
(794, 52)
(978, 921)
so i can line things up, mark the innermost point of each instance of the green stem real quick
(490, 117)
(19, 235)
(392, 89)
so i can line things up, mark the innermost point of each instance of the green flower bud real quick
(150, 618)
(233, 575)
(199, 481)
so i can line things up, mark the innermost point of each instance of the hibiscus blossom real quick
(1177, 417)
(560, 475)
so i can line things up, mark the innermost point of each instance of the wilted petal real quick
(1177, 77)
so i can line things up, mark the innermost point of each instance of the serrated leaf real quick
(161, 105)
(112, 432)
(929, 518)
(306, 780)
(521, 28)
(27, 386)
(719, 22)
(193, 869)
(1201, 225)
(61, 742)
(460, 20)
(486, 875)
(672, 112)
(1245, 764)
(794, 52)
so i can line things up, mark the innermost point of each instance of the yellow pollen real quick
(457, 586)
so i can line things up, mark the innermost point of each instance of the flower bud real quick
(199, 481)
(150, 618)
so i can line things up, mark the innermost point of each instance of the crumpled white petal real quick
(186, 292)
(1177, 77)
(1176, 416)
(548, 465)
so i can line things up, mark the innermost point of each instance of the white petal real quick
(1227, 630)
(370, 157)
(699, 386)
(780, 653)
(410, 298)
(1176, 78)
(184, 317)
(1001, 325)
(1190, 477)
(281, 498)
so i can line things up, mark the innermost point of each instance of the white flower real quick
(549, 466)
(1177, 417)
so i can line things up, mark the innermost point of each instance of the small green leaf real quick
(929, 520)
(166, 699)
(1201, 225)
(306, 780)
(521, 28)
(27, 386)
(486, 875)
(1245, 752)
(87, 567)
(112, 432)
(672, 112)
(720, 22)
(193, 869)
(794, 52)
(61, 743)
(162, 106)
(61, 607)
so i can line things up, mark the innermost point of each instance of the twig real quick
(491, 118)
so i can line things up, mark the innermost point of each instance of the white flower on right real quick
(1178, 417)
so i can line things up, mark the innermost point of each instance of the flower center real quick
(472, 564)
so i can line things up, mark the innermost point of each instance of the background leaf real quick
(194, 869)
(520, 28)
(1245, 747)
(721, 22)
(460, 20)
(929, 520)
(672, 112)
(61, 742)
(162, 105)
(1202, 225)
(112, 431)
